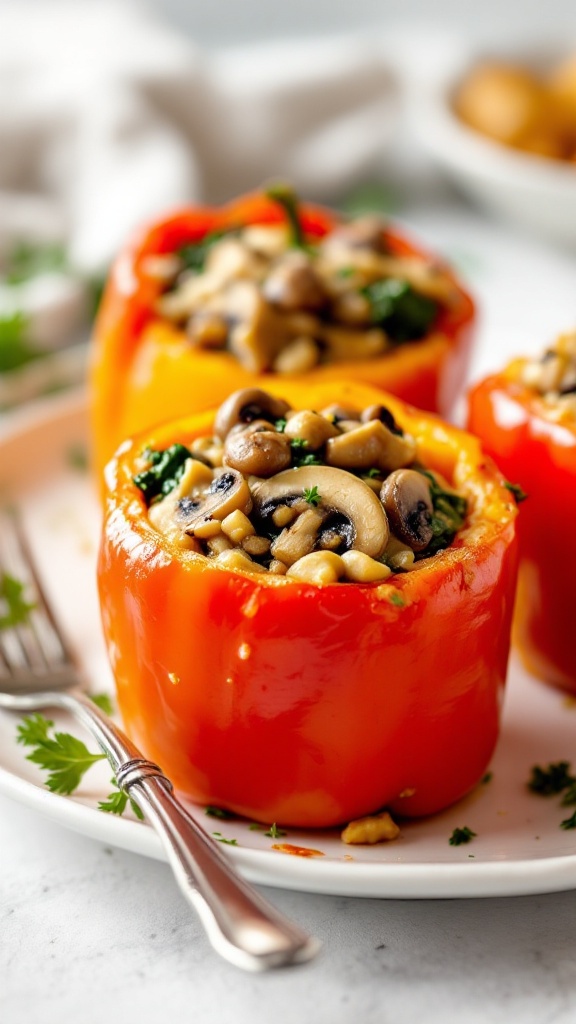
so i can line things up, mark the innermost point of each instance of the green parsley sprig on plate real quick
(67, 759)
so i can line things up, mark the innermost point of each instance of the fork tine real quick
(37, 644)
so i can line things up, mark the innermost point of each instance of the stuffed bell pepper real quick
(264, 292)
(307, 605)
(526, 419)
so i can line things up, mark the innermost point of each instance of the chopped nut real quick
(319, 567)
(376, 828)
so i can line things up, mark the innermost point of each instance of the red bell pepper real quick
(288, 702)
(540, 455)
(145, 370)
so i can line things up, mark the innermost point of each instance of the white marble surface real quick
(89, 933)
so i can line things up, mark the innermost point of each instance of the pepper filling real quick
(335, 495)
(553, 377)
(280, 301)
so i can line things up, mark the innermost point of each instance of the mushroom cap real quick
(246, 405)
(227, 492)
(405, 495)
(339, 491)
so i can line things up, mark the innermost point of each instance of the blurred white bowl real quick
(534, 191)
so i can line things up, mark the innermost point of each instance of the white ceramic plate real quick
(519, 847)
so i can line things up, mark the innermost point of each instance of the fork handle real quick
(240, 924)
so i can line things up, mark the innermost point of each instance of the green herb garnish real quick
(516, 490)
(218, 812)
(14, 608)
(28, 260)
(569, 822)
(311, 496)
(551, 780)
(402, 312)
(373, 473)
(222, 839)
(102, 701)
(301, 456)
(286, 197)
(397, 599)
(280, 426)
(274, 832)
(194, 255)
(15, 347)
(165, 472)
(66, 759)
(461, 835)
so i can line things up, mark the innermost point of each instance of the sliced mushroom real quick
(227, 492)
(335, 413)
(247, 405)
(258, 450)
(406, 498)
(294, 284)
(357, 510)
(370, 445)
(259, 331)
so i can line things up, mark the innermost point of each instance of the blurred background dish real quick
(501, 125)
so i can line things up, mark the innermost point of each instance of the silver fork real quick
(37, 671)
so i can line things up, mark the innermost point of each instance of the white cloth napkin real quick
(108, 118)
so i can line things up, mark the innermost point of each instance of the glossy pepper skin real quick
(144, 370)
(539, 455)
(308, 706)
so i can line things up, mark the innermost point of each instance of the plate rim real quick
(381, 880)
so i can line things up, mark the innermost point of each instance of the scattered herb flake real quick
(280, 425)
(373, 473)
(486, 778)
(222, 839)
(194, 255)
(551, 780)
(397, 599)
(461, 835)
(14, 608)
(569, 822)
(218, 812)
(311, 496)
(274, 832)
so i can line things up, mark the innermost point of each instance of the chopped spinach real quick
(404, 314)
(194, 255)
(447, 518)
(165, 472)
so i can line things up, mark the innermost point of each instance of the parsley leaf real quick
(165, 472)
(66, 759)
(103, 701)
(461, 835)
(30, 259)
(14, 608)
(569, 822)
(312, 496)
(402, 312)
(117, 802)
(300, 455)
(280, 425)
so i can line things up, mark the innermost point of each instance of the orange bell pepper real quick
(540, 456)
(144, 370)
(309, 706)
